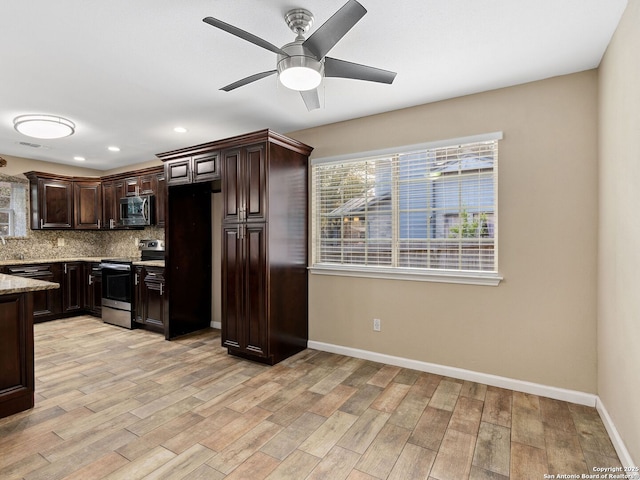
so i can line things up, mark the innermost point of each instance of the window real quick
(13, 208)
(425, 210)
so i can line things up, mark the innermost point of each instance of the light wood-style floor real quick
(119, 404)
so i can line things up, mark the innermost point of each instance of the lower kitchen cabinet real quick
(150, 298)
(16, 353)
(47, 304)
(93, 289)
(244, 279)
(72, 287)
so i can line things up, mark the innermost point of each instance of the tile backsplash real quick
(52, 244)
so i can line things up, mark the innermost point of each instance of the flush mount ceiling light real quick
(44, 126)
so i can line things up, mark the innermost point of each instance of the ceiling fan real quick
(302, 63)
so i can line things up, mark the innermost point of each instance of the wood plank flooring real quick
(118, 404)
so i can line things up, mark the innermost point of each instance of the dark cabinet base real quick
(16, 354)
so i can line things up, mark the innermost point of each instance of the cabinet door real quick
(205, 167)
(108, 205)
(178, 172)
(73, 287)
(161, 199)
(147, 184)
(45, 302)
(244, 273)
(255, 184)
(87, 198)
(255, 289)
(232, 286)
(139, 295)
(93, 288)
(132, 187)
(16, 354)
(244, 184)
(155, 308)
(56, 203)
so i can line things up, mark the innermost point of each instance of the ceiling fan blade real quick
(331, 31)
(249, 37)
(341, 68)
(311, 99)
(247, 80)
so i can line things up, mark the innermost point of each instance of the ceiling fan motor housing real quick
(300, 64)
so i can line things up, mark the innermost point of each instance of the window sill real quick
(476, 278)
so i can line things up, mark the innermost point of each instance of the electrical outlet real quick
(61, 242)
(376, 324)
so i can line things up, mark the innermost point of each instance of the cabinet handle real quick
(135, 279)
(161, 289)
(42, 223)
(90, 279)
(112, 223)
(98, 223)
(65, 268)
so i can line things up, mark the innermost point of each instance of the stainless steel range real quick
(117, 292)
(117, 283)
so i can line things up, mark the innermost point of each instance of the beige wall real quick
(619, 240)
(539, 324)
(19, 165)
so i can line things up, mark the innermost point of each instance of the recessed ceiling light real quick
(114, 149)
(180, 130)
(44, 126)
(79, 159)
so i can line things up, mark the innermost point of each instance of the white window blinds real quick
(431, 208)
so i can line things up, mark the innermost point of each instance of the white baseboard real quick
(572, 396)
(616, 439)
(217, 325)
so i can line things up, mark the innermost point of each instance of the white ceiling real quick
(128, 71)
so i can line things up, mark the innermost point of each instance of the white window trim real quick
(489, 279)
(492, 279)
(359, 156)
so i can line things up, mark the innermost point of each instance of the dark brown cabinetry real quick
(93, 289)
(47, 304)
(72, 287)
(51, 202)
(263, 180)
(150, 298)
(112, 192)
(193, 169)
(87, 202)
(161, 199)
(81, 203)
(16, 353)
(244, 184)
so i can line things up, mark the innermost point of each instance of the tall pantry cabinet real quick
(263, 178)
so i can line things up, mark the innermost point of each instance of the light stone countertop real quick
(150, 263)
(13, 284)
(32, 261)
(35, 261)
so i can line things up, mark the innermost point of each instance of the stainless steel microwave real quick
(137, 211)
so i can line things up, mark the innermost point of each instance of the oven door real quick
(116, 294)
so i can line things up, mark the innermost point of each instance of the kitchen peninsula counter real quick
(16, 342)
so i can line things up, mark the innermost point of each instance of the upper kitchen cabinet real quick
(186, 167)
(112, 192)
(148, 181)
(87, 205)
(51, 201)
(244, 183)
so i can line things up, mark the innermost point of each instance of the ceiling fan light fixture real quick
(300, 73)
(44, 126)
